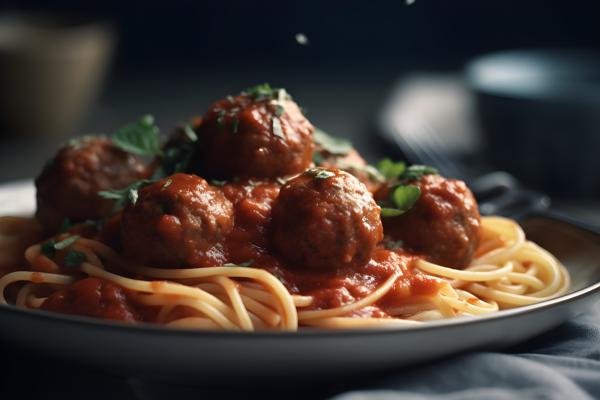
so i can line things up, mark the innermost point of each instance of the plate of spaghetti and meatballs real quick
(250, 219)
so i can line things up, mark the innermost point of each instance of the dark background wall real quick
(351, 33)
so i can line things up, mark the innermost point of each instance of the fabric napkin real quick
(561, 364)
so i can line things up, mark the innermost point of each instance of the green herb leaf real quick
(279, 110)
(246, 263)
(190, 134)
(230, 99)
(320, 173)
(333, 145)
(74, 258)
(392, 244)
(48, 248)
(65, 226)
(216, 182)
(167, 183)
(141, 138)
(404, 197)
(221, 119)
(277, 131)
(130, 193)
(418, 171)
(390, 169)
(318, 158)
(260, 92)
(63, 244)
(390, 212)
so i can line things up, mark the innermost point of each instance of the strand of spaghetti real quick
(358, 323)
(515, 299)
(462, 304)
(254, 300)
(35, 302)
(164, 312)
(206, 309)
(285, 301)
(265, 314)
(232, 291)
(160, 287)
(39, 261)
(429, 315)
(464, 275)
(505, 228)
(193, 323)
(35, 277)
(357, 305)
(23, 294)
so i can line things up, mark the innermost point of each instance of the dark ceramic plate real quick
(187, 356)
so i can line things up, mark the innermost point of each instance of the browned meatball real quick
(68, 186)
(176, 222)
(443, 224)
(251, 137)
(326, 219)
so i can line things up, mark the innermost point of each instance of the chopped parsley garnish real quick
(74, 258)
(221, 118)
(418, 171)
(141, 138)
(178, 153)
(49, 248)
(230, 99)
(320, 173)
(246, 263)
(279, 110)
(277, 131)
(265, 91)
(392, 244)
(235, 125)
(332, 145)
(217, 182)
(189, 133)
(243, 264)
(403, 198)
(167, 183)
(130, 193)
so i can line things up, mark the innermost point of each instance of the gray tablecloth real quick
(561, 364)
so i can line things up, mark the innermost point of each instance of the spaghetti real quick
(509, 271)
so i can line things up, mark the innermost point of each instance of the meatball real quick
(68, 186)
(443, 224)
(176, 222)
(326, 219)
(254, 137)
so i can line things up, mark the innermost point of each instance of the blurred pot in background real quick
(51, 69)
(539, 112)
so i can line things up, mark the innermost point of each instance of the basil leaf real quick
(261, 91)
(74, 258)
(333, 145)
(390, 169)
(418, 171)
(320, 173)
(141, 138)
(404, 197)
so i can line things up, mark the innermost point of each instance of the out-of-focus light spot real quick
(302, 39)
(409, 2)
